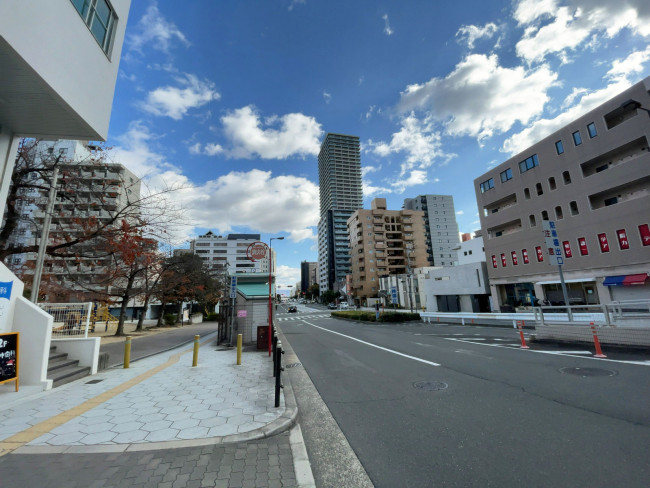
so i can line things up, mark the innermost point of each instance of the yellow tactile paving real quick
(18, 440)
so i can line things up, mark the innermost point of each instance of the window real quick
(506, 175)
(544, 215)
(591, 129)
(558, 213)
(100, 18)
(566, 176)
(577, 138)
(573, 206)
(528, 163)
(487, 185)
(526, 193)
(559, 147)
(538, 188)
(610, 201)
(531, 219)
(551, 183)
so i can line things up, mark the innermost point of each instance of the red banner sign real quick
(494, 261)
(623, 243)
(582, 244)
(567, 249)
(644, 230)
(524, 255)
(540, 254)
(513, 255)
(503, 260)
(257, 250)
(602, 241)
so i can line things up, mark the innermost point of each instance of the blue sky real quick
(231, 99)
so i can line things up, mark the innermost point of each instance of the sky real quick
(229, 100)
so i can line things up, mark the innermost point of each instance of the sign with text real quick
(602, 241)
(5, 300)
(524, 256)
(494, 261)
(582, 244)
(393, 295)
(552, 241)
(540, 254)
(233, 287)
(644, 232)
(513, 255)
(9, 357)
(567, 249)
(242, 313)
(623, 243)
(257, 250)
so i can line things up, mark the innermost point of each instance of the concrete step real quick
(60, 363)
(68, 374)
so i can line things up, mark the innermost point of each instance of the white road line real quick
(375, 345)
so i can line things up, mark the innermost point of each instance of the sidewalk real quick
(217, 413)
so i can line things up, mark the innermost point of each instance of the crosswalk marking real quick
(298, 317)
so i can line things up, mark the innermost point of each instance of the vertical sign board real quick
(552, 241)
(233, 287)
(5, 300)
(393, 294)
(9, 344)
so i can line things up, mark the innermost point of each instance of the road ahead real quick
(431, 405)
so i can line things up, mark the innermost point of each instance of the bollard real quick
(278, 369)
(239, 338)
(195, 357)
(275, 348)
(599, 351)
(521, 334)
(127, 352)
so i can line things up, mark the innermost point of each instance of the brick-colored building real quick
(384, 242)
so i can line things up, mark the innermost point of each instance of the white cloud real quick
(481, 98)
(585, 100)
(155, 30)
(417, 138)
(296, 134)
(296, 2)
(195, 148)
(287, 277)
(471, 33)
(575, 23)
(254, 199)
(370, 190)
(416, 177)
(460, 212)
(327, 97)
(210, 149)
(387, 30)
(175, 101)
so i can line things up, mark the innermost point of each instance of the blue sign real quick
(5, 289)
(233, 287)
(393, 293)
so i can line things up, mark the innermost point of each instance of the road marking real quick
(376, 346)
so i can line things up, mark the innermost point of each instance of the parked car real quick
(332, 306)
(343, 305)
(292, 309)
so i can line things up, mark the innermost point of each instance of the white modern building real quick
(229, 251)
(59, 66)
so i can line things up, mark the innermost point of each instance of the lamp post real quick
(270, 292)
(634, 105)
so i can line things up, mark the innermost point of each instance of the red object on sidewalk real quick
(521, 334)
(599, 352)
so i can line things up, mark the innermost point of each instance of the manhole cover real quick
(93, 382)
(584, 372)
(430, 385)
(291, 365)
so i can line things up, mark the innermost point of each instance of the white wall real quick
(471, 251)
(84, 350)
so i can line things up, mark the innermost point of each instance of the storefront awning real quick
(635, 279)
(614, 280)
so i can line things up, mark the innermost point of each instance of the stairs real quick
(62, 370)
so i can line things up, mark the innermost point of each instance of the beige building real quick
(592, 179)
(384, 242)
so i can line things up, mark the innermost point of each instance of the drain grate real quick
(93, 382)
(430, 385)
(584, 372)
(291, 365)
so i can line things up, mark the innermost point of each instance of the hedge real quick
(366, 316)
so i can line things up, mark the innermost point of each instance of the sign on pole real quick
(233, 287)
(257, 250)
(553, 244)
(393, 294)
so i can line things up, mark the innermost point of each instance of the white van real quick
(343, 305)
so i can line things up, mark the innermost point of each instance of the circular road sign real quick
(257, 250)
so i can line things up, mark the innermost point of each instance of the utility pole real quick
(45, 233)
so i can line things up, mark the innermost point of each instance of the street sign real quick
(553, 244)
(257, 250)
(393, 294)
(233, 287)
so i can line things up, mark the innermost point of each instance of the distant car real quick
(343, 305)
(292, 309)
(332, 306)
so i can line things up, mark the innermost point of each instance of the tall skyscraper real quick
(339, 176)
(440, 227)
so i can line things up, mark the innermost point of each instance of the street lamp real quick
(633, 105)
(270, 292)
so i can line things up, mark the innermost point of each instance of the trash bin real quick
(262, 337)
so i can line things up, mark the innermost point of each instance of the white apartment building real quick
(230, 252)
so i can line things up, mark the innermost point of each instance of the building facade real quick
(339, 175)
(229, 252)
(440, 226)
(308, 274)
(592, 179)
(383, 242)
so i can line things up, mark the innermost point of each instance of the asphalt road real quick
(434, 405)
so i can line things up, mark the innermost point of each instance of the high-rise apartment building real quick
(592, 179)
(339, 176)
(441, 228)
(229, 252)
(384, 242)
(308, 275)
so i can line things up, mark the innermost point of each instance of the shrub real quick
(211, 317)
(170, 318)
(398, 317)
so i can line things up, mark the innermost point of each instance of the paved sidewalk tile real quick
(264, 463)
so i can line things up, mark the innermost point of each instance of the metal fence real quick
(70, 319)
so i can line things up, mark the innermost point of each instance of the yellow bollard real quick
(195, 358)
(127, 352)
(239, 338)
